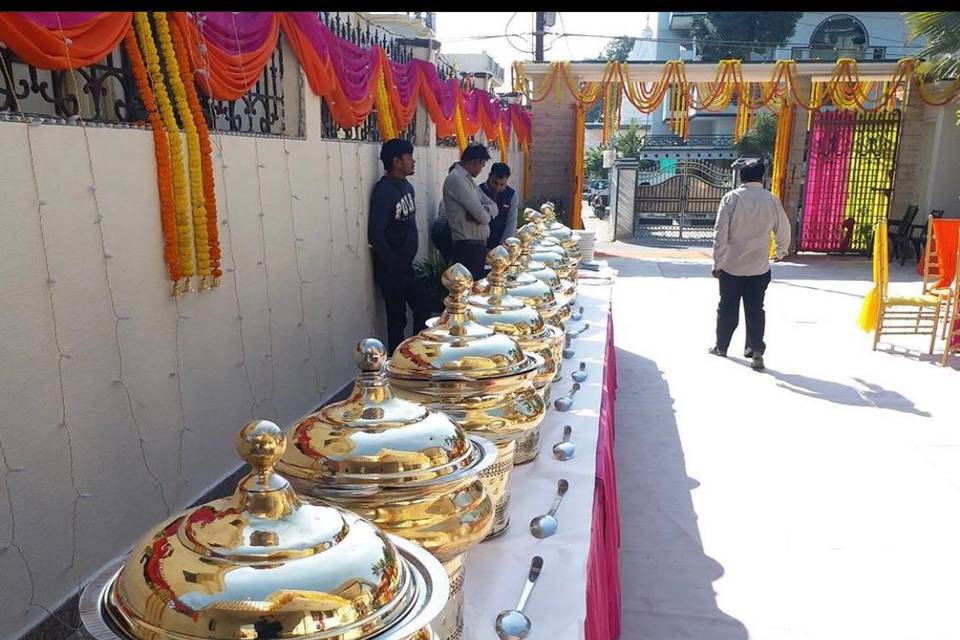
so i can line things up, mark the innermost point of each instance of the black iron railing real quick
(103, 93)
(670, 141)
(348, 27)
(106, 93)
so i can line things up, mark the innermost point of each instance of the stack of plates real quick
(587, 241)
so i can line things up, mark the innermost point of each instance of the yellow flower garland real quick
(180, 202)
(461, 132)
(194, 156)
(387, 127)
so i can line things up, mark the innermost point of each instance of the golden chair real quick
(931, 276)
(899, 315)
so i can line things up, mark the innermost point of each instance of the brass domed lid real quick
(498, 309)
(567, 236)
(523, 285)
(457, 347)
(266, 563)
(527, 235)
(375, 438)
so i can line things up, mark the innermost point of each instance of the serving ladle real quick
(565, 449)
(513, 624)
(580, 375)
(577, 316)
(565, 402)
(568, 352)
(574, 334)
(546, 525)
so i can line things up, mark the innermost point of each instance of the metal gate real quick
(680, 203)
(851, 166)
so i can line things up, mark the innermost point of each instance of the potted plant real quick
(429, 272)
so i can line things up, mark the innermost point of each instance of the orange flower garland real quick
(180, 197)
(206, 150)
(195, 173)
(162, 151)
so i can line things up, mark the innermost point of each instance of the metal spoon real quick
(567, 351)
(546, 525)
(564, 403)
(513, 624)
(576, 316)
(580, 375)
(565, 449)
(574, 334)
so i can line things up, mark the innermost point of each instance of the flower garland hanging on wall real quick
(161, 148)
(197, 205)
(206, 155)
(181, 202)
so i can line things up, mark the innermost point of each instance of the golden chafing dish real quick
(511, 316)
(569, 238)
(480, 378)
(564, 290)
(531, 290)
(550, 251)
(266, 563)
(411, 471)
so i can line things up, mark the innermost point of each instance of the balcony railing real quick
(702, 141)
(819, 53)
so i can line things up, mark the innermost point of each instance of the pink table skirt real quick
(603, 563)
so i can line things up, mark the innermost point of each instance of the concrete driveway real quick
(818, 500)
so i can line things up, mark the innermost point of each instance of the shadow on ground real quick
(868, 395)
(666, 577)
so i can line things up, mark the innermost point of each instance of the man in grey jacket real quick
(468, 210)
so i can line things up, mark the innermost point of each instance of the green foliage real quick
(593, 163)
(736, 34)
(627, 143)
(430, 273)
(942, 31)
(760, 140)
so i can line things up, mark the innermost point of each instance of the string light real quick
(263, 245)
(218, 138)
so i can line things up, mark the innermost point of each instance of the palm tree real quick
(942, 31)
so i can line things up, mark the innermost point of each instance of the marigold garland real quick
(198, 207)
(180, 197)
(161, 148)
(461, 132)
(206, 153)
(385, 117)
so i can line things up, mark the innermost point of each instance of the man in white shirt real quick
(741, 249)
(468, 210)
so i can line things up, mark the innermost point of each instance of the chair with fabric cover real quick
(920, 233)
(896, 315)
(931, 270)
(899, 233)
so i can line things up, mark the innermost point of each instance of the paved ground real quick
(817, 500)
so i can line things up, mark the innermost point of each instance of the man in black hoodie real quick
(392, 235)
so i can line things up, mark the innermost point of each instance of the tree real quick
(627, 143)
(760, 140)
(723, 35)
(593, 163)
(616, 49)
(942, 30)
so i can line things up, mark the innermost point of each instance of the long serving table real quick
(578, 593)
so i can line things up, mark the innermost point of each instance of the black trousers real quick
(473, 255)
(396, 297)
(751, 289)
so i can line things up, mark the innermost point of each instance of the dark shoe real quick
(717, 352)
(748, 353)
(757, 363)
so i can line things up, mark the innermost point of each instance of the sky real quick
(459, 32)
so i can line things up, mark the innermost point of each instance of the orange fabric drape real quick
(230, 76)
(945, 233)
(46, 49)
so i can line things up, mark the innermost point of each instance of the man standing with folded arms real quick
(468, 210)
(741, 259)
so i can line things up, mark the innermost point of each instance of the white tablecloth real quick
(496, 569)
